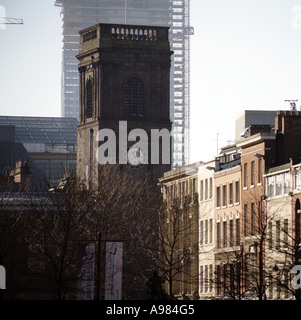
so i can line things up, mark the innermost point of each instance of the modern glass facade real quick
(80, 14)
(51, 143)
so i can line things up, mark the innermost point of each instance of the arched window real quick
(89, 98)
(134, 98)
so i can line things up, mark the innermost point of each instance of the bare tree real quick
(178, 246)
(59, 221)
(283, 246)
(267, 245)
(112, 210)
(227, 276)
(12, 232)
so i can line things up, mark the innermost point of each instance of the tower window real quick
(89, 98)
(134, 98)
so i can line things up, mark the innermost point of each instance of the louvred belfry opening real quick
(134, 98)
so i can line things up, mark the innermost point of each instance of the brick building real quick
(206, 228)
(179, 245)
(263, 149)
(255, 202)
(283, 186)
(228, 231)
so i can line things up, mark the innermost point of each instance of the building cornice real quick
(256, 138)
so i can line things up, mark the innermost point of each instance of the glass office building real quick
(80, 14)
(51, 143)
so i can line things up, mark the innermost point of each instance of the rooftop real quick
(44, 130)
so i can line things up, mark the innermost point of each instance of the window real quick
(285, 232)
(224, 195)
(206, 278)
(253, 269)
(287, 183)
(237, 232)
(202, 190)
(298, 179)
(218, 235)
(206, 189)
(210, 188)
(134, 98)
(232, 278)
(206, 231)
(225, 234)
(237, 192)
(270, 186)
(278, 234)
(225, 278)
(201, 279)
(247, 271)
(260, 217)
(279, 181)
(172, 193)
(245, 175)
(260, 170)
(231, 233)
(246, 219)
(218, 196)
(182, 191)
(194, 186)
(270, 235)
(253, 173)
(218, 279)
(210, 230)
(89, 99)
(201, 232)
(253, 218)
(210, 277)
(231, 193)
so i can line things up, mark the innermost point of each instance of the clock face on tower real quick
(136, 157)
(124, 81)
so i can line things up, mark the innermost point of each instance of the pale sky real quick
(245, 54)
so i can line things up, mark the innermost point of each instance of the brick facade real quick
(247, 217)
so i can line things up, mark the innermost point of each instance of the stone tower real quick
(124, 90)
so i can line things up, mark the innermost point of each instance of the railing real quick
(142, 34)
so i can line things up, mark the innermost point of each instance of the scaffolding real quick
(80, 14)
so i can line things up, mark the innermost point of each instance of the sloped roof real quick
(43, 129)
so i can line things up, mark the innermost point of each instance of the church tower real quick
(124, 90)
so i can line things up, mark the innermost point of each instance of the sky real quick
(245, 55)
